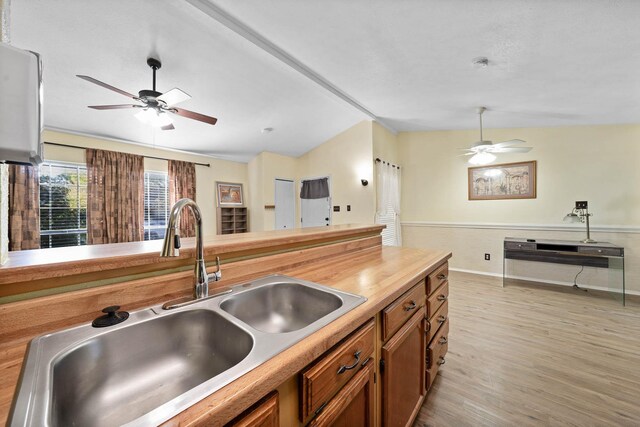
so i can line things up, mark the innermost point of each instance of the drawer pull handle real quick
(440, 361)
(443, 340)
(442, 319)
(428, 327)
(441, 276)
(344, 368)
(442, 298)
(412, 305)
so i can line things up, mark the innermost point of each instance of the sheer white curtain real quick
(388, 202)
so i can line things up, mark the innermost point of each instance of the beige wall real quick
(263, 171)
(594, 163)
(220, 170)
(346, 159)
(385, 144)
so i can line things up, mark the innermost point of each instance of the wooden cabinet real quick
(329, 374)
(265, 413)
(397, 313)
(233, 220)
(437, 322)
(403, 373)
(354, 405)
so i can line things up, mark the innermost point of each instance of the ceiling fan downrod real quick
(155, 65)
(480, 111)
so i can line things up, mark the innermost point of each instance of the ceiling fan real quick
(483, 151)
(155, 105)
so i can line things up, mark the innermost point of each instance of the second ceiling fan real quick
(483, 152)
(155, 106)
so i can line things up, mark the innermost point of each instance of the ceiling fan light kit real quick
(484, 152)
(156, 106)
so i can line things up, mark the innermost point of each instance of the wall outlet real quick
(487, 257)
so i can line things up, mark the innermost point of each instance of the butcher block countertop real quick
(381, 274)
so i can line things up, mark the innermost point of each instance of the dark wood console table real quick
(599, 255)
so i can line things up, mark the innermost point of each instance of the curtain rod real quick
(378, 160)
(147, 157)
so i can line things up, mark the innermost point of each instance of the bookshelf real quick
(232, 220)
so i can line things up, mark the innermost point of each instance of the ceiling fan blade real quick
(192, 115)
(174, 96)
(510, 150)
(507, 143)
(114, 107)
(106, 86)
(168, 127)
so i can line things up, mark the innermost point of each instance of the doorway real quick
(315, 212)
(285, 204)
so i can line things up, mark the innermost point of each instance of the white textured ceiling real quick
(228, 77)
(552, 63)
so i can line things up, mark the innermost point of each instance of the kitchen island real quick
(348, 258)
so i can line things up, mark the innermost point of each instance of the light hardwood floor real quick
(536, 356)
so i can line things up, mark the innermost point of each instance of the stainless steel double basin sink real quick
(159, 362)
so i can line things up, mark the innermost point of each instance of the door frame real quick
(294, 199)
(328, 176)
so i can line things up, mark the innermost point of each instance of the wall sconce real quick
(364, 182)
(581, 214)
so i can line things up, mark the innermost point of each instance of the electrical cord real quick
(575, 280)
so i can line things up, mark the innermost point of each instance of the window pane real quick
(63, 203)
(156, 204)
(60, 240)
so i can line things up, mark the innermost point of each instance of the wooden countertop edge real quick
(112, 256)
(230, 401)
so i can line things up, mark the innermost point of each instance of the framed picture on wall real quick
(504, 181)
(229, 194)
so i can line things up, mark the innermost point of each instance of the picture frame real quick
(229, 194)
(504, 181)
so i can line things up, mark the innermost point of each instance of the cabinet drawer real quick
(265, 413)
(600, 251)
(396, 314)
(436, 299)
(437, 278)
(437, 320)
(520, 246)
(332, 371)
(354, 403)
(438, 347)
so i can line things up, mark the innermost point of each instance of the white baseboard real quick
(532, 279)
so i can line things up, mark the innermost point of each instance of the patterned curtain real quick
(24, 208)
(182, 183)
(115, 197)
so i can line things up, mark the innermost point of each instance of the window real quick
(63, 205)
(156, 204)
(388, 219)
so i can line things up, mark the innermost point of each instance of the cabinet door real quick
(353, 405)
(263, 414)
(403, 374)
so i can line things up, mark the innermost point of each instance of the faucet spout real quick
(171, 246)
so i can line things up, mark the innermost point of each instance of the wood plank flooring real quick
(536, 356)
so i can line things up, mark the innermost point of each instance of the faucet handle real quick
(216, 275)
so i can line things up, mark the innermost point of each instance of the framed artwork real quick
(505, 181)
(229, 194)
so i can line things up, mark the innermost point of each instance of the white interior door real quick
(315, 212)
(285, 204)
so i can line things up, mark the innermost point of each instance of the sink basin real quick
(158, 362)
(281, 307)
(117, 377)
